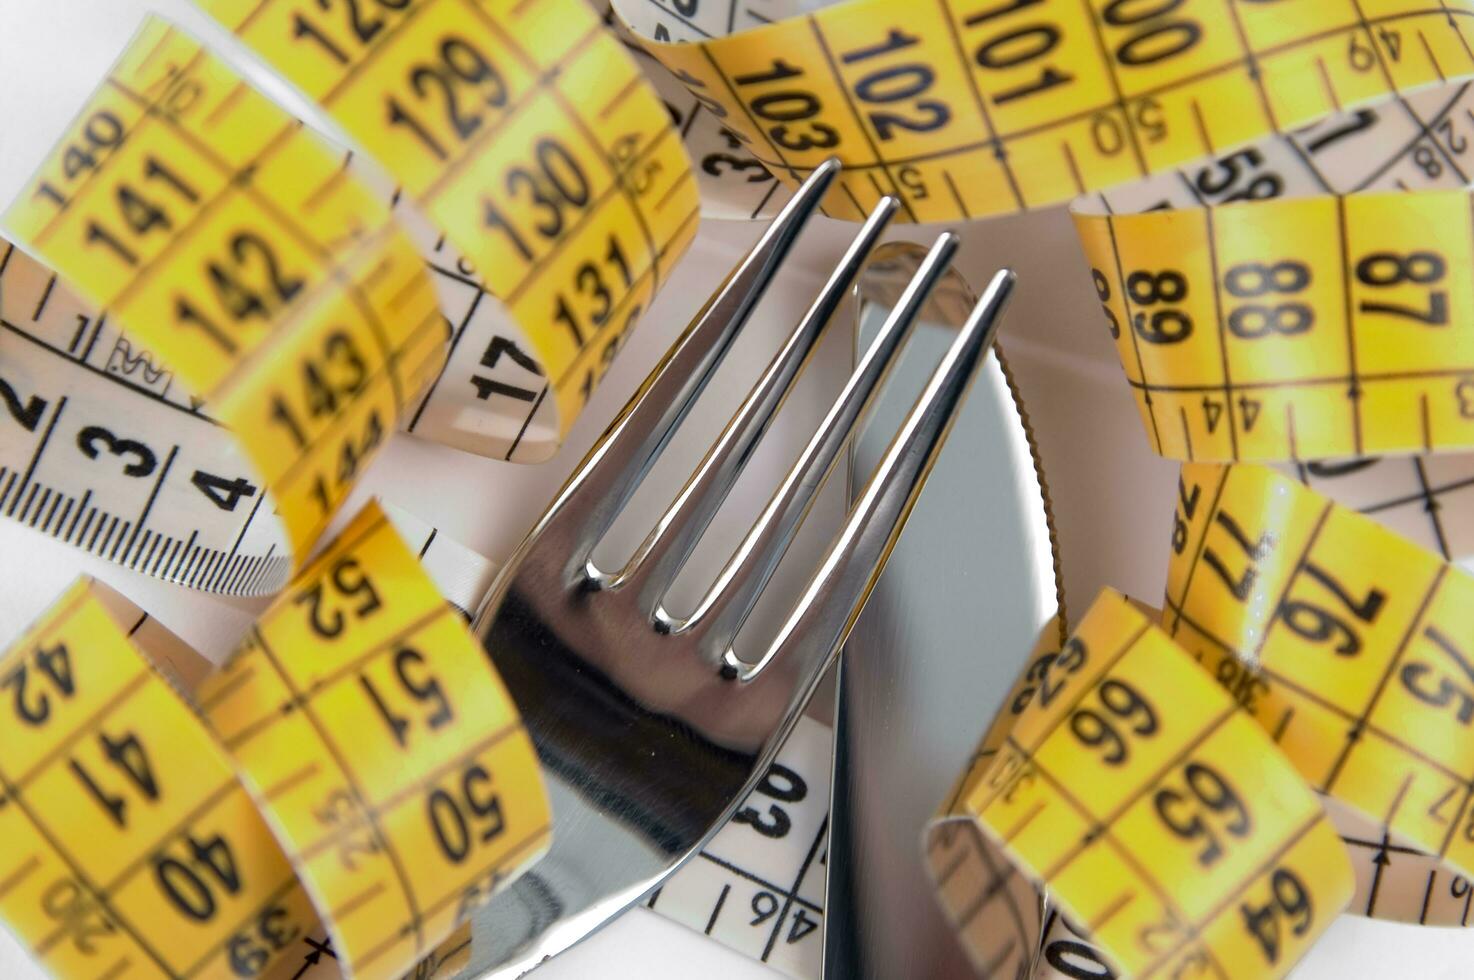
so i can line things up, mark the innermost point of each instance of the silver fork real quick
(650, 728)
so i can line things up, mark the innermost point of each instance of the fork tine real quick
(603, 482)
(669, 543)
(727, 604)
(829, 606)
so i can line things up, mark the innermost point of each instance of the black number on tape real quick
(1208, 796)
(346, 581)
(486, 387)
(898, 83)
(800, 926)
(556, 182)
(143, 458)
(351, 456)
(779, 783)
(1220, 180)
(55, 665)
(1096, 729)
(1317, 624)
(273, 289)
(1451, 691)
(127, 756)
(460, 66)
(1074, 959)
(1166, 287)
(337, 376)
(611, 347)
(1158, 38)
(363, 25)
(589, 282)
(1254, 550)
(764, 907)
(1360, 121)
(1188, 502)
(1016, 47)
(476, 811)
(1253, 279)
(223, 493)
(27, 415)
(1381, 270)
(1289, 900)
(718, 164)
(1103, 293)
(103, 131)
(1068, 660)
(143, 210)
(188, 883)
(250, 283)
(416, 680)
(251, 950)
(788, 107)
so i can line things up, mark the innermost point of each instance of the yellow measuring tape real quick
(131, 846)
(1306, 329)
(965, 109)
(1295, 329)
(1314, 326)
(525, 133)
(1160, 817)
(1332, 322)
(366, 765)
(1348, 644)
(227, 241)
(381, 742)
(225, 237)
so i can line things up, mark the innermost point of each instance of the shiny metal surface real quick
(943, 637)
(650, 728)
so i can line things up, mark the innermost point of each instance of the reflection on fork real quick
(651, 727)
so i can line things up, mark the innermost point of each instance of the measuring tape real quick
(525, 133)
(132, 849)
(226, 238)
(1268, 303)
(229, 241)
(1334, 326)
(1358, 670)
(1160, 816)
(1234, 348)
(758, 885)
(1344, 641)
(964, 110)
(1277, 329)
(360, 722)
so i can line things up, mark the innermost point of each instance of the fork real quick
(650, 728)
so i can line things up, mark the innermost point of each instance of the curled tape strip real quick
(1321, 325)
(173, 872)
(1303, 329)
(969, 109)
(227, 239)
(1347, 643)
(1308, 328)
(526, 133)
(1161, 818)
(143, 845)
(385, 749)
(263, 289)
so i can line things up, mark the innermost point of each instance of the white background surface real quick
(1111, 496)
